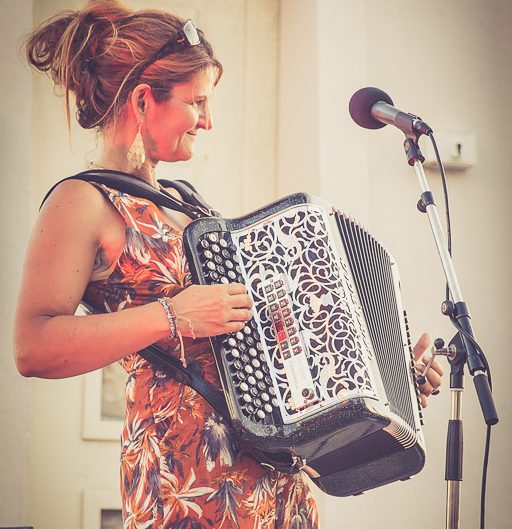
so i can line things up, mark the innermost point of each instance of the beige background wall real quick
(451, 63)
(281, 124)
(15, 198)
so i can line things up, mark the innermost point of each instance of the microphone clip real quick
(412, 149)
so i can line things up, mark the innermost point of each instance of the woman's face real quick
(170, 128)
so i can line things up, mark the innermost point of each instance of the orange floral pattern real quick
(180, 465)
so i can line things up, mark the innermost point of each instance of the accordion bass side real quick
(324, 371)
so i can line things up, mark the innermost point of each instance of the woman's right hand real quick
(212, 309)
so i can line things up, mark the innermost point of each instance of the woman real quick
(144, 79)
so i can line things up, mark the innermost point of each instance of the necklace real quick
(94, 165)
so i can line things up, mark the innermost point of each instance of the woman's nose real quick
(205, 120)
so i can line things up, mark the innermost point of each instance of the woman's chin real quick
(181, 156)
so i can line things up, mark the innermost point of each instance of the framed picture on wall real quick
(103, 404)
(103, 401)
(101, 509)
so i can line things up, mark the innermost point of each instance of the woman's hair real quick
(95, 53)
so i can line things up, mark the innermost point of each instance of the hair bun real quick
(92, 52)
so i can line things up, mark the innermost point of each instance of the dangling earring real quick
(136, 153)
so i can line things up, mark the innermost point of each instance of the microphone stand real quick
(462, 345)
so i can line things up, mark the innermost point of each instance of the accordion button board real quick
(243, 351)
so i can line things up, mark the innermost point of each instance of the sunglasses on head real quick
(187, 36)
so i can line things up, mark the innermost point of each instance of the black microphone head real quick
(360, 106)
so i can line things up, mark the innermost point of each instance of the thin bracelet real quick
(173, 318)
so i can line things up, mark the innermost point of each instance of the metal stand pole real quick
(463, 341)
(453, 485)
(458, 309)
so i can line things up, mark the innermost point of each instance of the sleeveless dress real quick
(180, 467)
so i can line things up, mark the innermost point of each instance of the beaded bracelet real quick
(172, 318)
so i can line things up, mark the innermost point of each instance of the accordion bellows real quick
(324, 370)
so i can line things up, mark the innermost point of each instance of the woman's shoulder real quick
(80, 204)
(73, 193)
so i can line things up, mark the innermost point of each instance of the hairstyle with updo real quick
(93, 52)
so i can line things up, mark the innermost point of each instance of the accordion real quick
(324, 371)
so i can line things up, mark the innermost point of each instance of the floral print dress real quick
(180, 467)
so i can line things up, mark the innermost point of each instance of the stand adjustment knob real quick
(447, 307)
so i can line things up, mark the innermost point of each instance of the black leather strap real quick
(193, 205)
(186, 375)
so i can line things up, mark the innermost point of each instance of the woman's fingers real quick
(427, 387)
(435, 372)
(241, 301)
(240, 315)
(232, 326)
(235, 288)
(421, 346)
(433, 376)
(436, 366)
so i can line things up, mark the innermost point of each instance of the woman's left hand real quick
(434, 374)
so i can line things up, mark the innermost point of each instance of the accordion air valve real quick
(323, 372)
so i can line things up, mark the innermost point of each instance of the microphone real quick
(372, 108)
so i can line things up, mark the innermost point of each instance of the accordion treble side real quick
(323, 372)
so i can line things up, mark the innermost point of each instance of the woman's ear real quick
(141, 98)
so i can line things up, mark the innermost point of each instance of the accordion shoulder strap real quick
(192, 205)
(173, 367)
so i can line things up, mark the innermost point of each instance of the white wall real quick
(15, 198)
(449, 62)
